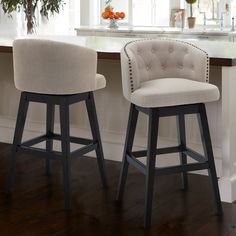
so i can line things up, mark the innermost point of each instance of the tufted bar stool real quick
(56, 73)
(166, 78)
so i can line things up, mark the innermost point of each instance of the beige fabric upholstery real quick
(100, 81)
(173, 91)
(165, 72)
(51, 67)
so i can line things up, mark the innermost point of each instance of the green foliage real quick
(52, 6)
(29, 6)
(47, 6)
(190, 1)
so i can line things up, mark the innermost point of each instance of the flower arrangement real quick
(108, 13)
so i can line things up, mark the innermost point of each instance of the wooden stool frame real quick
(150, 169)
(65, 155)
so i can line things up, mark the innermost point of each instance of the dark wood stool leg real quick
(49, 130)
(151, 161)
(65, 146)
(92, 114)
(182, 141)
(20, 123)
(206, 140)
(132, 122)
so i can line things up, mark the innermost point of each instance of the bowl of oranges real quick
(113, 17)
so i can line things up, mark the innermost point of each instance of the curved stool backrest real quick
(50, 67)
(144, 60)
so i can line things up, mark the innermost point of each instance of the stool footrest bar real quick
(136, 163)
(44, 154)
(51, 136)
(167, 150)
(38, 152)
(195, 155)
(159, 151)
(34, 141)
(84, 150)
(183, 168)
(83, 141)
(167, 170)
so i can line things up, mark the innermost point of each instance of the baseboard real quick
(227, 188)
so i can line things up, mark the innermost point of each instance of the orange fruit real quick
(105, 15)
(122, 15)
(109, 9)
(111, 16)
(116, 16)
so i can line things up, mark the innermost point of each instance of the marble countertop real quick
(220, 53)
(159, 30)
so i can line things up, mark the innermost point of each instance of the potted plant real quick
(29, 7)
(191, 19)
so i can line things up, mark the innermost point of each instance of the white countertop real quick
(158, 30)
(221, 53)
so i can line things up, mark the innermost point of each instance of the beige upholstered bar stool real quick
(56, 73)
(166, 78)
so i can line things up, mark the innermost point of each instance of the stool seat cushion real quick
(100, 82)
(172, 92)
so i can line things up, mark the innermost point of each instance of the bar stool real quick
(56, 73)
(166, 78)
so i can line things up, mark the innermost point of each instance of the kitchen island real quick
(113, 108)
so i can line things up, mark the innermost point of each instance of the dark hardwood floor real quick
(35, 207)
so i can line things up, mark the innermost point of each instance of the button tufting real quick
(180, 65)
(171, 49)
(138, 51)
(163, 67)
(154, 49)
(192, 67)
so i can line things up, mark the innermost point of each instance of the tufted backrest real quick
(150, 59)
(51, 67)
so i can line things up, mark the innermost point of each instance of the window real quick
(150, 12)
(157, 12)
(118, 6)
(142, 12)
(216, 11)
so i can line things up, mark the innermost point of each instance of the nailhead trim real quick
(164, 39)
(130, 67)
(208, 69)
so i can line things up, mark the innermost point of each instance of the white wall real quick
(175, 4)
(9, 25)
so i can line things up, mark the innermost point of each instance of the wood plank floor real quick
(35, 207)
